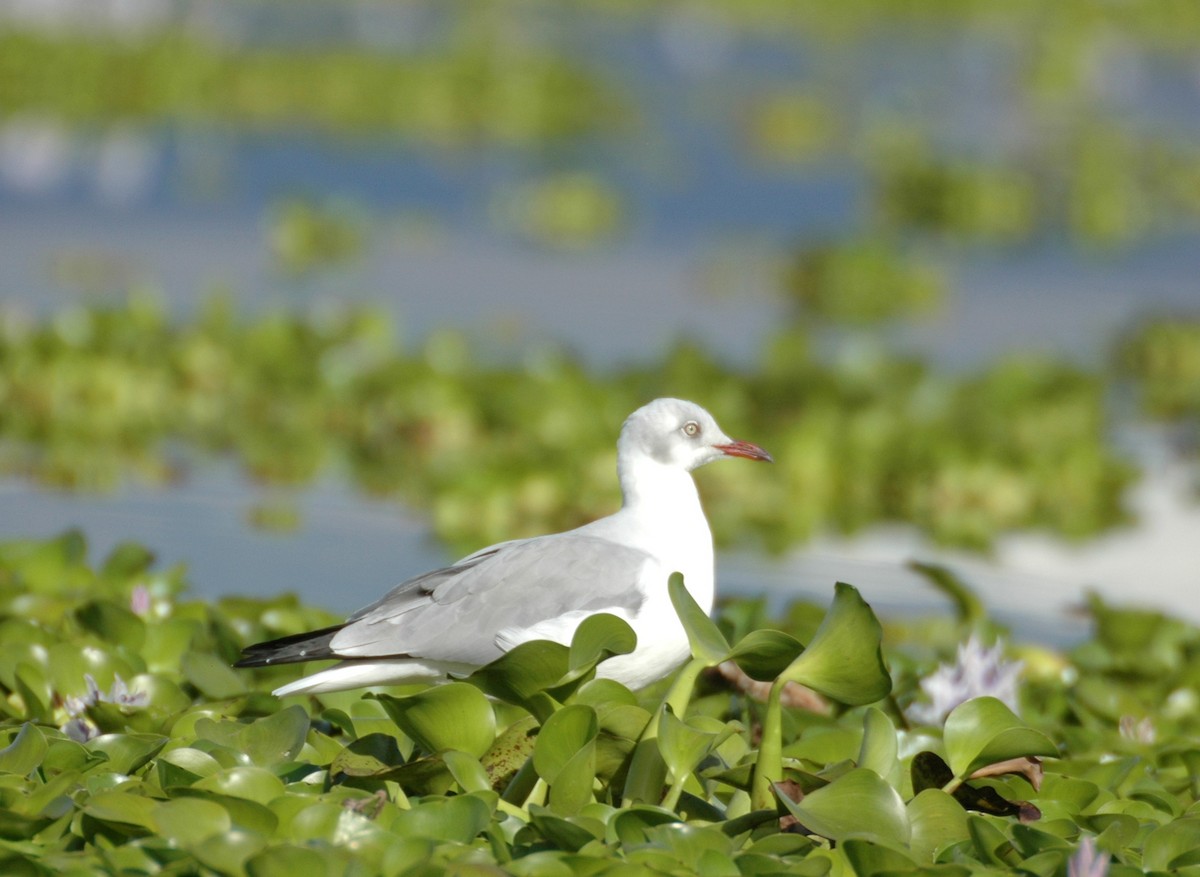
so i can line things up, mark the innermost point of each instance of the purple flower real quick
(977, 672)
(1087, 861)
(79, 727)
(139, 600)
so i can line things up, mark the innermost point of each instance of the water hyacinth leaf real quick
(522, 675)
(459, 818)
(561, 831)
(370, 755)
(112, 623)
(563, 735)
(867, 857)
(598, 637)
(991, 844)
(937, 822)
(187, 821)
(1173, 846)
(467, 771)
(287, 861)
(227, 853)
(684, 744)
(123, 807)
(984, 731)
(245, 814)
(634, 825)
(25, 752)
(451, 716)
(510, 751)
(252, 783)
(764, 654)
(127, 752)
(879, 747)
(277, 737)
(705, 638)
(844, 661)
(859, 804)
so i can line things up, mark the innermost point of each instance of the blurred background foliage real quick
(950, 131)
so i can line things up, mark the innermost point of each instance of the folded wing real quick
(455, 614)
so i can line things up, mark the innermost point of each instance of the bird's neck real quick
(651, 488)
(663, 515)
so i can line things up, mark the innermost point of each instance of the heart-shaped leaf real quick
(451, 716)
(984, 731)
(937, 822)
(598, 637)
(521, 675)
(857, 804)
(564, 734)
(844, 661)
(764, 654)
(25, 752)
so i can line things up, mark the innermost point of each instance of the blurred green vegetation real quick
(129, 746)
(1163, 357)
(468, 94)
(96, 394)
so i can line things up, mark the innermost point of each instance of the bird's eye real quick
(691, 428)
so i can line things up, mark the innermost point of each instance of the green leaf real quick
(187, 821)
(25, 752)
(967, 605)
(467, 771)
(560, 831)
(451, 716)
(227, 853)
(275, 738)
(867, 857)
(1174, 845)
(764, 654)
(684, 745)
(127, 752)
(937, 822)
(878, 750)
(122, 807)
(984, 731)
(844, 661)
(857, 804)
(562, 736)
(253, 783)
(521, 675)
(597, 638)
(565, 757)
(460, 818)
(286, 861)
(708, 643)
(368, 756)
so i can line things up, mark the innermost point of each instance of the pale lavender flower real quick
(139, 600)
(1087, 861)
(79, 727)
(977, 672)
(120, 695)
(80, 730)
(1139, 732)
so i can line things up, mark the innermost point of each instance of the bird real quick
(448, 622)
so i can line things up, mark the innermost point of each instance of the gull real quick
(451, 621)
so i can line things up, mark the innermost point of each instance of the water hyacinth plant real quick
(533, 766)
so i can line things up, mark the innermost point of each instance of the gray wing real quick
(454, 614)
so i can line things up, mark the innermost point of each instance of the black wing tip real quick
(312, 645)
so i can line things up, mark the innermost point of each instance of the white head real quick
(678, 434)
